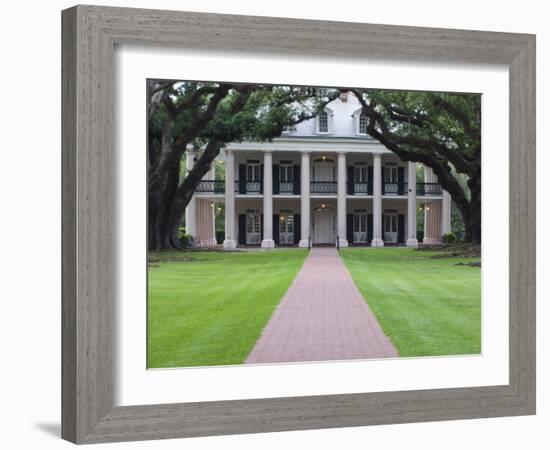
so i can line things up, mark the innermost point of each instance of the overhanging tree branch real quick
(437, 133)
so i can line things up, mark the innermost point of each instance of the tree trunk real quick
(470, 210)
(159, 205)
(474, 227)
(187, 188)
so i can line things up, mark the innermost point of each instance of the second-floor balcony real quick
(323, 187)
(394, 188)
(318, 188)
(211, 187)
(427, 189)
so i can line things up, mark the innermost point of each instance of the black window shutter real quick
(241, 232)
(276, 228)
(242, 178)
(382, 227)
(370, 179)
(296, 179)
(401, 180)
(275, 176)
(401, 228)
(349, 228)
(297, 228)
(351, 184)
(369, 228)
(382, 180)
(261, 178)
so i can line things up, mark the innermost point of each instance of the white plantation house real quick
(326, 182)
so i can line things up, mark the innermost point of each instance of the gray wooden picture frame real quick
(90, 34)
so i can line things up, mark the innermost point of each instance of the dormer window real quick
(362, 126)
(322, 124)
(360, 122)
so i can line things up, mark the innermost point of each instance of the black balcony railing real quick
(248, 187)
(359, 188)
(211, 186)
(394, 188)
(428, 189)
(319, 187)
(286, 187)
(253, 187)
(323, 187)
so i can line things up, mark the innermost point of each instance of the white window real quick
(286, 227)
(253, 226)
(390, 174)
(252, 223)
(390, 223)
(362, 126)
(285, 173)
(323, 122)
(253, 171)
(360, 175)
(390, 226)
(360, 122)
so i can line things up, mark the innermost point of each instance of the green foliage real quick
(449, 238)
(441, 130)
(452, 120)
(186, 239)
(269, 110)
(220, 216)
(457, 222)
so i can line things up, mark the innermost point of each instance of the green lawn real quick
(209, 308)
(426, 306)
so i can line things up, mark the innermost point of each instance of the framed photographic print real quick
(267, 230)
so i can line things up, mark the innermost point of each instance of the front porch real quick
(287, 228)
(309, 199)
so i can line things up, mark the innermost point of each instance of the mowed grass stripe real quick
(211, 308)
(427, 306)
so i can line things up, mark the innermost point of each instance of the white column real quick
(211, 175)
(341, 205)
(268, 241)
(191, 209)
(411, 206)
(229, 242)
(305, 204)
(214, 211)
(429, 238)
(210, 216)
(429, 175)
(445, 213)
(377, 238)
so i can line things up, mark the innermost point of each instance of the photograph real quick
(298, 224)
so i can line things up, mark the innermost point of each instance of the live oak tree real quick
(208, 116)
(439, 130)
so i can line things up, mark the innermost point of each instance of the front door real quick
(360, 228)
(324, 226)
(253, 228)
(390, 228)
(286, 228)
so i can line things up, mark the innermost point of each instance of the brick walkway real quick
(322, 316)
